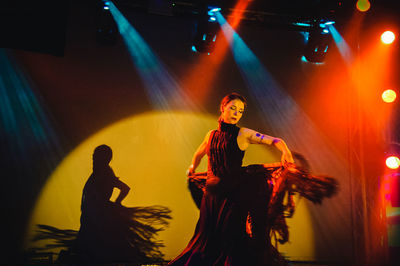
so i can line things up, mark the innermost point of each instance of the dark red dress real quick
(220, 236)
(242, 207)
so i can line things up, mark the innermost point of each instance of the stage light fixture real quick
(388, 37)
(107, 29)
(363, 5)
(393, 162)
(317, 44)
(206, 31)
(389, 96)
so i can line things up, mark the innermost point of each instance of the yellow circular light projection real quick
(363, 5)
(151, 153)
(388, 37)
(393, 162)
(389, 96)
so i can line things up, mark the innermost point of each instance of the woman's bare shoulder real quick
(246, 131)
(207, 137)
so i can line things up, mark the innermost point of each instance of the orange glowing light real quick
(393, 162)
(388, 37)
(363, 5)
(389, 96)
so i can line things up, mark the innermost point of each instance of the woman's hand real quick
(287, 157)
(190, 170)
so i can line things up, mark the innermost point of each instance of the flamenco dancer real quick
(220, 236)
(241, 206)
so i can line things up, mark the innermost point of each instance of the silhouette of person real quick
(99, 187)
(98, 219)
(109, 231)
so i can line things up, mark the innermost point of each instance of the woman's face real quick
(233, 111)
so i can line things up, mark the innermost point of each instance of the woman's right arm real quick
(199, 154)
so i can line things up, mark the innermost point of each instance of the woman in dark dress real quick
(220, 236)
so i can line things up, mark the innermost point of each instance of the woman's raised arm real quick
(248, 136)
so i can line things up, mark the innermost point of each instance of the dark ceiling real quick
(41, 25)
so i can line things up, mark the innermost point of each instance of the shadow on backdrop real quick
(109, 232)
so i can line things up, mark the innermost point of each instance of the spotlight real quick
(363, 5)
(392, 155)
(388, 37)
(317, 44)
(213, 10)
(392, 177)
(329, 22)
(393, 162)
(389, 96)
(107, 30)
(106, 5)
(206, 32)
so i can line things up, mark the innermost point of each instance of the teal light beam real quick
(162, 89)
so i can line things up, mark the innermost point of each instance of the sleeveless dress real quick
(243, 208)
(220, 237)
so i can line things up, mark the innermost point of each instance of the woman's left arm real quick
(249, 136)
(124, 190)
(286, 154)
